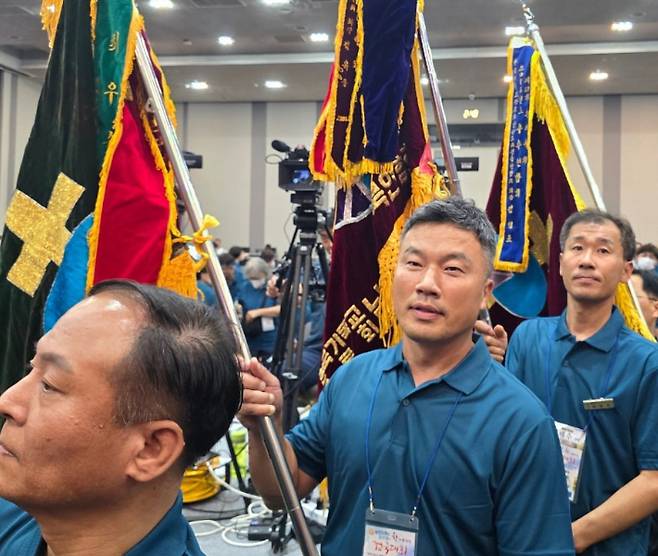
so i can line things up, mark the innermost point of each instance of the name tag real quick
(390, 533)
(267, 323)
(599, 403)
(572, 443)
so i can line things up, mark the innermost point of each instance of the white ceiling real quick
(272, 43)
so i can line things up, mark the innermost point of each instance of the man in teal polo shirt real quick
(127, 389)
(599, 381)
(429, 445)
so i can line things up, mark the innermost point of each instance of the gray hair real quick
(596, 216)
(461, 213)
(255, 267)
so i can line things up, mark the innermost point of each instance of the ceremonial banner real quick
(95, 194)
(531, 197)
(375, 196)
(56, 189)
(359, 128)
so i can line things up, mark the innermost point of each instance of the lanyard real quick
(435, 451)
(605, 384)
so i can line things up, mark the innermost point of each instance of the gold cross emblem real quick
(43, 231)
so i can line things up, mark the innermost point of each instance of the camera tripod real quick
(301, 282)
(298, 285)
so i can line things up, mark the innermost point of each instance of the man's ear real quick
(159, 445)
(488, 288)
(627, 272)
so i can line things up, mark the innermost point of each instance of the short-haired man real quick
(645, 283)
(599, 381)
(127, 389)
(430, 441)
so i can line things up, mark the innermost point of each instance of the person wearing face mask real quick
(647, 257)
(259, 309)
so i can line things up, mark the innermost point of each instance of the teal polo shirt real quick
(20, 534)
(621, 441)
(497, 486)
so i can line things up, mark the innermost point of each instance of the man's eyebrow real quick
(56, 360)
(598, 239)
(456, 255)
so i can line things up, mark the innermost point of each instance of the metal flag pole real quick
(533, 31)
(437, 105)
(553, 83)
(187, 193)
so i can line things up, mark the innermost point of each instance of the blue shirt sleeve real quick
(645, 422)
(309, 438)
(533, 477)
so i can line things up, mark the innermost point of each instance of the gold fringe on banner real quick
(50, 12)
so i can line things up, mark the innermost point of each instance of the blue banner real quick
(517, 165)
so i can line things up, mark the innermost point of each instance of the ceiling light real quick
(508, 78)
(197, 85)
(319, 37)
(424, 80)
(161, 4)
(51, 8)
(598, 75)
(275, 84)
(225, 40)
(510, 31)
(622, 26)
(276, 2)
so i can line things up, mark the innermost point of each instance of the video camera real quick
(294, 173)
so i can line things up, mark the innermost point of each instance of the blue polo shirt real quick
(621, 441)
(20, 534)
(496, 487)
(252, 298)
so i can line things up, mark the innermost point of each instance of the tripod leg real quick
(236, 467)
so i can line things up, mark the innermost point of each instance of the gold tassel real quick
(179, 275)
(324, 493)
(634, 320)
(50, 12)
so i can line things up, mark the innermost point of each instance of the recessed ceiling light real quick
(507, 78)
(319, 37)
(197, 85)
(161, 4)
(275, 84)
(512, 30)
(51, 8)
(424, 80)
(598, 75)
(276, 2)
(621, 26)
(225, 40)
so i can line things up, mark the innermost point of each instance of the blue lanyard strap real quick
(430, 464)
(605, 383)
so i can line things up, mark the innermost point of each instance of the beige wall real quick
(222, 134)
(639, 154)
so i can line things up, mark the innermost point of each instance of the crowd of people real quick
(447, 443)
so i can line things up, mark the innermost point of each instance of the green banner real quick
(56, 189)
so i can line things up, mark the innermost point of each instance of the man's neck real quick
(107, 531)
(431, 361)
(584, 320)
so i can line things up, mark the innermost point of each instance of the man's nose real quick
(14, 401)
(586, 259)
(428, 284)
